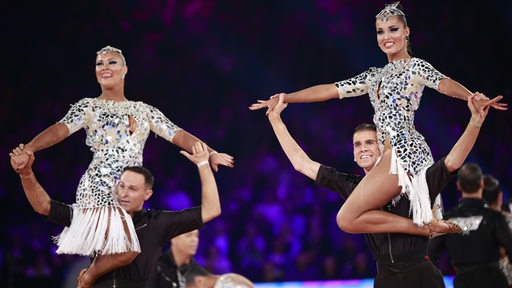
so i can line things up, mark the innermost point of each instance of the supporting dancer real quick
(395, 91)
(153, 227)
(401, 258)
(117, 129)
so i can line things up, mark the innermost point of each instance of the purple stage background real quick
(203, 63)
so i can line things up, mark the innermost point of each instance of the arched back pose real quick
(117, 129)
(395, 91)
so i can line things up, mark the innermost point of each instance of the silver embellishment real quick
(109, 48)
(389, 10)
(468, 224)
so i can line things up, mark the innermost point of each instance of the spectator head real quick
(470, 179)
(492, 191)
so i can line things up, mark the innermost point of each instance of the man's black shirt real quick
(154, 228)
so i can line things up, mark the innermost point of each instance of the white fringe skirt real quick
(416, 189)
(98, 230)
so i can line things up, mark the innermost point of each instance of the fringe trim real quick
(416, 189)
(98, 230)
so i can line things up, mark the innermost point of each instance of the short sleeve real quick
(174, 223)
(341, 183)
(60, 213)
(429, 76)
(76, 117)
(355, 86)
(438, 177)
(161, 125)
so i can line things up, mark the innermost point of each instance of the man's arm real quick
(300, 160)
(36, 195)
(461, 149)
(210, 202)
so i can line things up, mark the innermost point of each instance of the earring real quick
(407, 37)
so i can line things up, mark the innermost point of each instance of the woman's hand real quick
(482, 103)
(217, 159)
(19, 158)
(270, 103)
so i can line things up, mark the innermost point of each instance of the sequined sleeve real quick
(161, 125)
(355, 86)
(76, 117)
(429, 76)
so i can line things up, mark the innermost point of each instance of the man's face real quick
(366, 149)
(132, 191)
(186, 244)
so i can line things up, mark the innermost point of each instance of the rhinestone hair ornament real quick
(389, 11)
(107, 49)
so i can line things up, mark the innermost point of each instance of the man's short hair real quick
(365, 127)
(149, 180)
(193, 272)
(491, 189)
(470, 177)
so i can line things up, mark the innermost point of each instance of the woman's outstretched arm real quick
(316, 93)
(454, 89)
(49, 137)
(186, 141)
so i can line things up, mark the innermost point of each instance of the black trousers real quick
(408, 275)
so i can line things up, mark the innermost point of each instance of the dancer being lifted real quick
(117, 129)
(395, 91)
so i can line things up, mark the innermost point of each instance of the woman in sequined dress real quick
(395, 91)
(117, 129)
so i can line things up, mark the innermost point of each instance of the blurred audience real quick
(223, 55)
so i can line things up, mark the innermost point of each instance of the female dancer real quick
(395, 92)
(117, 130)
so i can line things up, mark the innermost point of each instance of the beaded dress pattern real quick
(395, 92)
(98, 219)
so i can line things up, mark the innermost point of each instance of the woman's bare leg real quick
(361, 211)
(101, 265)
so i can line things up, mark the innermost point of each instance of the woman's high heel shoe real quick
(443, 227)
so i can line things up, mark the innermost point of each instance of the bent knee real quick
(344, 223)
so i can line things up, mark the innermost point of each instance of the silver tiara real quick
(389, 10)
(109, 48)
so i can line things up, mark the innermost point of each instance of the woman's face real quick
(110, 69)
(391, 37)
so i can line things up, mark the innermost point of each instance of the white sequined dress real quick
(395, 92)
(99, 224)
